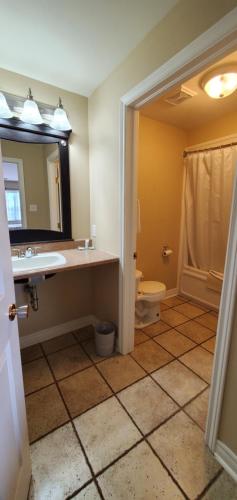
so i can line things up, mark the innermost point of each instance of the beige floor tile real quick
(106, 432)
(121, 371)
(58, 465)
(180, 444)
(210, 344)
(139, 337)
(68, 361)
(138, 475)
(31, 353)
(174, 342)
(164, 306)
(196, 332)
(172, 317)
(36, 375)
(197, 409)
(85, 333)
(208, 320)
(156, 328)
(90, 492)
(148, 405)
(58, 343)
(45, 411)
(151, 356)
(173, 301)
(84, 390)
(180, 383)
(189, 310)
(200, 361)
(224, 488)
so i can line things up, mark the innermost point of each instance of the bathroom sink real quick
(40, 261)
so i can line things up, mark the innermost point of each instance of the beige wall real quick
(35, 180)
(187, 20)
(221, 127)
(77, 108)
(71, 295)
(160, 177)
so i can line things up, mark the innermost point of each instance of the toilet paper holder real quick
(166, 251)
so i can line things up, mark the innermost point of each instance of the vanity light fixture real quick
(30, 113)
(5, 111)
(220, 82)
(60, 120)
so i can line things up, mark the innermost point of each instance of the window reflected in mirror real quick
(32, 185)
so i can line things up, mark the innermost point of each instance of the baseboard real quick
(172, 292)
(227, 459)
(199, 301)
(55, 331)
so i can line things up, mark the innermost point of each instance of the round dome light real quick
(221, 82)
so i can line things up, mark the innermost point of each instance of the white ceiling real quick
(74, 44)
(197, 110)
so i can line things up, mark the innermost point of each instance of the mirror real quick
(32, 185)
(35, 161)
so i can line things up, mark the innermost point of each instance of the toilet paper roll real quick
(166, 252)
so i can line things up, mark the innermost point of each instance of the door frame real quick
(208, 48)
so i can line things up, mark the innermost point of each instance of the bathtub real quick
(194, 285)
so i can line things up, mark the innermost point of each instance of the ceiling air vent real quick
(180, 95)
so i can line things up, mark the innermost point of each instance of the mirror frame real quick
(14, 129)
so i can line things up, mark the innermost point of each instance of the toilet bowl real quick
(148, 297)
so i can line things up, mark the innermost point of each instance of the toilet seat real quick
(152, 291)
(151, 287)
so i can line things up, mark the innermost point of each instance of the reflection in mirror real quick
(32, 185)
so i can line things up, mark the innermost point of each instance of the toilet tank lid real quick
(151, 287)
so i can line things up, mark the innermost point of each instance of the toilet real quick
(148, 297)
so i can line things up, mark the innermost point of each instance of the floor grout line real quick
(115, 394)
(75, 431)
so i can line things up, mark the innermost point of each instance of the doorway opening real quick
(163, 81)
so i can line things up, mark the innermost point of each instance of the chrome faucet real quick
(29, 252)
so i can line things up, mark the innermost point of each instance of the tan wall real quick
(160, 177)
(187, 20)
(62, 298)
(220, 127)
(35, 180)
(59, 300)
(77, 108)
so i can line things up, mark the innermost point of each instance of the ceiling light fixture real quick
(60, 120)
(5, 111)
(30, 113)
(220, 82)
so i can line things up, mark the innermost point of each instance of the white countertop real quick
(75, 259)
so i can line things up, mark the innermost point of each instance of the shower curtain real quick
(208, 196)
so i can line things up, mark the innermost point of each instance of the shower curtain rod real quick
(185, 153)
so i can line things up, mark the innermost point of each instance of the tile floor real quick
(127, 427)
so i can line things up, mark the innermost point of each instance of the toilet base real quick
(146, 313)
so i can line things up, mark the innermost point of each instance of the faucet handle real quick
(16, 251)
(35, 250)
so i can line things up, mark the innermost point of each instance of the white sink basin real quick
(40, 261)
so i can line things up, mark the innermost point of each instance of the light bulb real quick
(221, 82)
(5, 111)
(30, 113)
(60, 120)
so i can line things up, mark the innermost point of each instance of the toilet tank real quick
(138, 277)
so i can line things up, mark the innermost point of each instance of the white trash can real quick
(104, 338)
